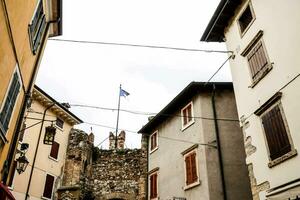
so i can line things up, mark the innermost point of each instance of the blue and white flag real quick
(123, 93)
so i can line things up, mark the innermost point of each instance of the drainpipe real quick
(213, 102)
(36, 150)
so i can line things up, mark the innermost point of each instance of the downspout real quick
(213, 102)
(36, 150)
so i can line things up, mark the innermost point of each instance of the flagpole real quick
(116, 139)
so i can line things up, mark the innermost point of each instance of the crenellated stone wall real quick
(94, 174)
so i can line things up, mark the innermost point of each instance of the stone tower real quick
(120, 140)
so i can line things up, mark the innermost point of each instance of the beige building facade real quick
(46, 162)
(195, 147)
(25, 27)
(263, 37)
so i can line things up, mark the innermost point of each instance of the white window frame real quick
(192, 121)
(46, 198)
(3, 134)
(242, 33)
(197, 170)
(155, 148)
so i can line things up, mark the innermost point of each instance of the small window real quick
(191, 171)
(257, 58)
(37, 27)
(187, 115)
(276, 133)
(153, 186)
(246, 19)
(153, 141)
(48, 188)
(9, 102)
(59, 123)
(54, 150)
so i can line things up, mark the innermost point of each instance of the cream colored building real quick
(48, 167)
(264, 38)
(196, 149)
(25, 27)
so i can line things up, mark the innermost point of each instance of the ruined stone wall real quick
(120, 174)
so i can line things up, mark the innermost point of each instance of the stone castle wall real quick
(120, 174)
(94, 174)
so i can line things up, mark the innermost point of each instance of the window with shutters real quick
(9, 103)
(59, 123)
(258, 61)
(153, 186)
(153, 141)
(191, 169)
(246, 19)
(54, 150)
(187, 116)
(276, 131)
(37, 27)
(48, 188)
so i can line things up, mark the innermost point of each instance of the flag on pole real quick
(123, 93)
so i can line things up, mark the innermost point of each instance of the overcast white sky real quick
(91, 74)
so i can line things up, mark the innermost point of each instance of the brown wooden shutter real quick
(153, 186)
(48, 186)
(276, 135)
(193, 168)
(188, 169)
(54, 150)
(257, 59)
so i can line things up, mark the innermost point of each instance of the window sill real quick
(264, 72)
(153, 150)
(155, 198)
(46, 198)
(54, 159)
(187, 125)
(283, 158)
(192, 185)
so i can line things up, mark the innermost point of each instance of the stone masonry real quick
(93, 173)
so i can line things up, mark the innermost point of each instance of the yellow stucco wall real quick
(19, 16)
(44, 163)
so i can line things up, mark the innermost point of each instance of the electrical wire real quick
(138, 45)
(231, 56)
(150, 114)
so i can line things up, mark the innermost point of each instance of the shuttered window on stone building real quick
(48, 186)
(153, 186)
(191, 168)
(276, 133)
(54, 150)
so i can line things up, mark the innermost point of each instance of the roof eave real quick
(182, 96)
(214, 31)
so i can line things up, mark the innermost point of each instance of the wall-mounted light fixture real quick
(49, 135)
